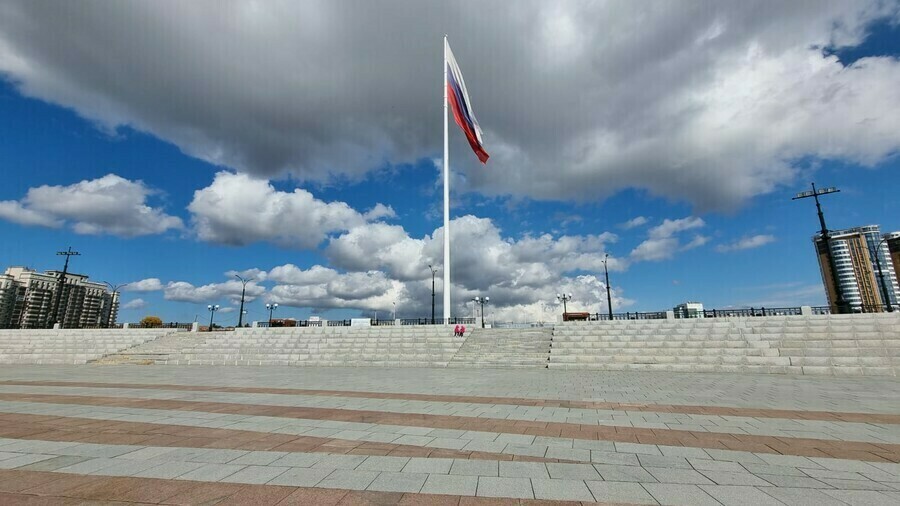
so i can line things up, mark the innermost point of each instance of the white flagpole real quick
(446, 198)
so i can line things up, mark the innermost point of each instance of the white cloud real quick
(380, 246)
(749, 242)
(238, 209)
(144, 285)
(637, 221)
(662, 243)
(383, 265)
(249, 274)
(711, 102)
(182, 291)
(108, 205)
(135, 304)
(15, 212)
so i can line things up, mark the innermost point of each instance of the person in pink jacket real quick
(456, 331)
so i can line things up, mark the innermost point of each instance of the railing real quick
(742, 312)
(467, 320)
(170, 325)
(517, 325)
(652, 315)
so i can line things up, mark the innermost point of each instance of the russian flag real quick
(462, 107)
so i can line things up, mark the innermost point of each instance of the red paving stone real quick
(618, 406)
(237, 440)
(106, 490)
(224, 438)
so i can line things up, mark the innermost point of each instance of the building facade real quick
(689, 310)
(893, 244)
(28, 300)
(858, 253)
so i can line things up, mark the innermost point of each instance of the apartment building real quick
(857, 254)
(28, 300)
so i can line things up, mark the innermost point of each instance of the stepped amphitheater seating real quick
(69, 346)
(834, 344)
(504, 348)
(828, 344)
(401, 346)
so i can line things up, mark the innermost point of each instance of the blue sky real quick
(59, 129)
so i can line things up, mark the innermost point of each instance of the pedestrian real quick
(456, 331)
(462, 331)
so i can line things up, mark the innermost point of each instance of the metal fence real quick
(652, 315)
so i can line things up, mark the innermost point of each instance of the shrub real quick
(151, 321)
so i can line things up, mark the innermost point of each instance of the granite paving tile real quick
(680, 495)
(624, 473)
(428, 465)
(301, 477)
(348, 479)
(450, 485)
(491, 486)
(256, 475)
(398, 482)
(740, 495)
(620, 492)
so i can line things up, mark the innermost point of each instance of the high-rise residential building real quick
(893, 243)
(857, 253)
(28, 298)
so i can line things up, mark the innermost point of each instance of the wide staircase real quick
(70, 346)
(866, 344)
(401, 346)
(834, 344)
(662, 345)
(156, 352)
(505, 348)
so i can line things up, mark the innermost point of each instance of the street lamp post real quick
(482, 301)
(395, 310)
(115, 292)
(565, 297)
(433, 272)
(608, 296)
(884, 292)
(839, 302)
(271, 308)
(212, 311)
(243, 292)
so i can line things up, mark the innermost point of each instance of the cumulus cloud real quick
(239, 209)
(108, 205)
(135, 304)
(637, 221)
(381, 265)
(182, 291)
(15, 212)
(144, 285)
(662, 242)
(749, 242)
(711, 102)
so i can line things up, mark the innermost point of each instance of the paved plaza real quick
(308, 435)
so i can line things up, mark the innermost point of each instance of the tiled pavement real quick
(192, 435)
